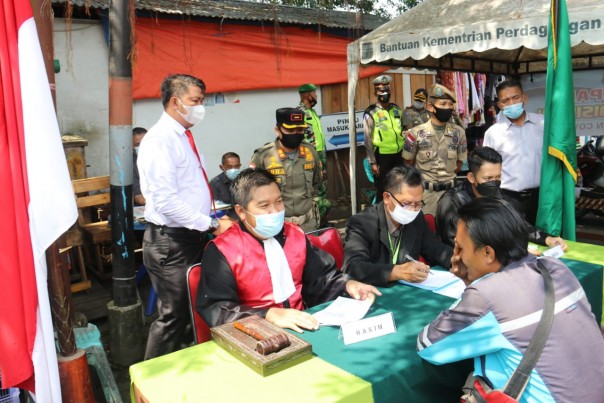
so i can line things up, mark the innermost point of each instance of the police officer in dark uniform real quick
(382, 124)
(296, 166)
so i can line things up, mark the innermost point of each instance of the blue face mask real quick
(268, 225)
(232, 173)
(514, 111)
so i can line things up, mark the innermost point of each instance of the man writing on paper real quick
(267, 267)
(483, 179)
(378, 238)
(498, 312)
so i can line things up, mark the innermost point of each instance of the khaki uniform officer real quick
(417, 114)
(295, 165)
(436, 148)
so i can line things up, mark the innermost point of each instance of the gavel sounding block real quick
(281, 349)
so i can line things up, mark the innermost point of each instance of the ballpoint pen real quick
(413, 260)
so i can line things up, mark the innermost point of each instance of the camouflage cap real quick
(382, 80)
(421, 95)
(307, 88)
(438, 91)
(290, 118)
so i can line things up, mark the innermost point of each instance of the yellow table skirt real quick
(192, 375)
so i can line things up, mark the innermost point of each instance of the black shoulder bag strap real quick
(520, 377)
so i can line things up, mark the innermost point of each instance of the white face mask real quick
(268, 225)
(402, 215)
(136, 149)
(195, 113)
(418, 105)
(232, 173)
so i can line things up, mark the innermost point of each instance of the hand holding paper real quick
(557, 252)
(553, 241)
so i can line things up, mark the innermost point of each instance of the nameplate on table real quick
(368, 328)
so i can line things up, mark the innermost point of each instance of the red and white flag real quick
(36, 206)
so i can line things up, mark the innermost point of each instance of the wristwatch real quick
(214, 224)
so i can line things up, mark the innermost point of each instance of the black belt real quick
(438, 186)
(162, 229)
(521, 194)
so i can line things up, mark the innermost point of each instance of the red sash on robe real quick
(246, 257)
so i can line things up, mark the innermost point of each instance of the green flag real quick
(559, 165)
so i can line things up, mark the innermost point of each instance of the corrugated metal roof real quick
(249, 11)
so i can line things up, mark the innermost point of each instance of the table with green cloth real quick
(390, 363)
(384, 369)
(590, 280)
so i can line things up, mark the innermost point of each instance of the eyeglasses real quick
(409, 206)
(514, 100)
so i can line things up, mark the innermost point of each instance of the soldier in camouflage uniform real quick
(436, 148)
(314, 135)
(296, 166)
(417, 114)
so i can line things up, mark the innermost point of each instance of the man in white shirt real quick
(518, 137)
(175, 186)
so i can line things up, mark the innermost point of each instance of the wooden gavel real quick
(265, 345)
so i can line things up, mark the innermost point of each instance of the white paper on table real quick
(556, 252)
(453, 290)
(342, 310)
(436, 279)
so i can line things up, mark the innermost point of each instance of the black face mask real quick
(291, 141)
(384, 98)
(443, 115)
(489, 189)
(312, 101)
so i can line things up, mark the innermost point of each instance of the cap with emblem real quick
(438, 91)
(382, 80)
(290, 118)
(307, 88)
(420, 95)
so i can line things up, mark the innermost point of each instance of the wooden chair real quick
(95, 233)
(201, 330)
(74, 240)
